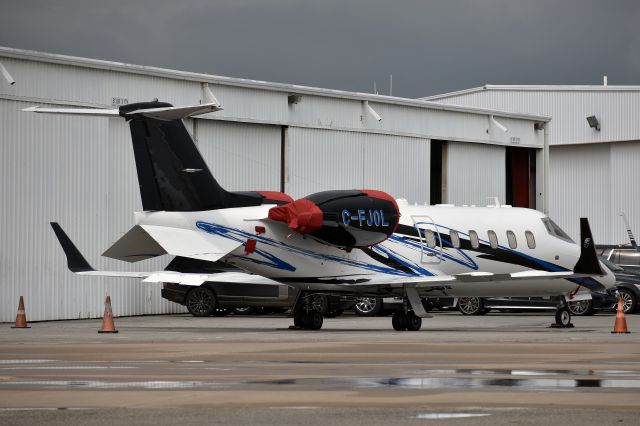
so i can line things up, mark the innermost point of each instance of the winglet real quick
(588, 263)
(75, 261)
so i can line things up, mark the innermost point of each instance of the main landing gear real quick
(408, 320)
(307, 313)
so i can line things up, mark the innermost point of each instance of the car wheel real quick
(318, 302)
(471, 305)
(581, 307)
(367, 306)
(628, 300)
(201, 302)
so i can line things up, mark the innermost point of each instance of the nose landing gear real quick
(402, 320)
(563, 318)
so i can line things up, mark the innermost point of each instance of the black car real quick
(222, 298)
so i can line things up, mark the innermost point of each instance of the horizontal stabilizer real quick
(168, 113)
(191, 243)
(134, 246)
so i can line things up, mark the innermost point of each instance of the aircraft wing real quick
(468, 277)
(79, 265)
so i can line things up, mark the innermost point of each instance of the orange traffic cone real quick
(107, 320)
(21, 318)
(620, 326)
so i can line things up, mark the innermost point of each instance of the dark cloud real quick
(429, 46)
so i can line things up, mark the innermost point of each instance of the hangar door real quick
(241, 156)
(321, 160)
(474, 172)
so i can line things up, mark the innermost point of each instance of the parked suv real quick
(221, 298)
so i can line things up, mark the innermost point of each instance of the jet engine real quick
(353, 218)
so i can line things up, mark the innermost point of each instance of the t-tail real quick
(172, 174)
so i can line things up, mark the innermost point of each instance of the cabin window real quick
(493, 239)
(430, 237)
(473, 237)
(531, 241)
(511, 237)
(455, 239)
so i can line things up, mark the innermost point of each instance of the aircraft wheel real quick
(299, 318)
(414, 322)
(563, 317)
(399, 320)
(313, 320)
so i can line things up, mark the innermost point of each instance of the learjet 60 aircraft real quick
(345, 242)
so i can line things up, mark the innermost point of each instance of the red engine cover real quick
(302, 215)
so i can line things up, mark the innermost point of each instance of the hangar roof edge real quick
(256, 84)
(535, 88)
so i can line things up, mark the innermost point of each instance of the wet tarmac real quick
(496, 369)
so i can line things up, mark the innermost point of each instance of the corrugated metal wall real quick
(597, 181)
(79, 172)
(320, 160)
(242, 157)
(474, 172)
(617, 111)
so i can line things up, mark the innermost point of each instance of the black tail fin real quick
(75, 260)
(172, 174)
(588, 262)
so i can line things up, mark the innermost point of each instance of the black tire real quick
(201, 302)
(313, 320)
(221, 312)
(414, 322)
(244, 310)
(629, 301)
(367, 306)
(471, 305)
(581, 307)
(399, 320)
(563, 317)
(318, 302)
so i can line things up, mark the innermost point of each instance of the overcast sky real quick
(429, 46)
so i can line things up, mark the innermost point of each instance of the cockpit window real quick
(555, 230)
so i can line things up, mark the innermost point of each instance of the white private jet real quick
(344, 242)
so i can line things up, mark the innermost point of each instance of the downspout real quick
(545, 155)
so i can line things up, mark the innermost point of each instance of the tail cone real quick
(21, 318)
(107, 320)
(620, 326)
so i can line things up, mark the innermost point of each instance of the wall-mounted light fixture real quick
(539, 125)
(6, 75)
(593, 122)
(497, 123)
(294, 99)
(372, 112)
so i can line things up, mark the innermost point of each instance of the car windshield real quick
(555, 230)
(612, 266)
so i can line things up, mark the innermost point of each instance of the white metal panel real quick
(617, 109)
(399, 166)
(580, 182)
(474, 172)
(321, 160)
(242, 157)
(76, 172)
(625, 194)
